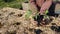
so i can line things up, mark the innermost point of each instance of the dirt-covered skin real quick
(12, 21)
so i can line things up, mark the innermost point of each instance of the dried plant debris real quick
(12, 21)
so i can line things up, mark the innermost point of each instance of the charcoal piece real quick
(54, 28)
(56, 15)
(38, 19)
(47, 21)
(38, 31)
(58, 30)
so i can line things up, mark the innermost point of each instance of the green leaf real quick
(46, 12)
(45, 16)
(28, 14)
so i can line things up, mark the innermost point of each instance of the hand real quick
(46, 5)
(42, 11)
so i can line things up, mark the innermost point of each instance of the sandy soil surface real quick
(12, 21)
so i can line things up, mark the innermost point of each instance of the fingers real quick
(42, 12)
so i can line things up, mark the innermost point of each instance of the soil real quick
(12, 21)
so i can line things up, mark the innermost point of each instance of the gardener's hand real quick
(42, 10)
(45, 6)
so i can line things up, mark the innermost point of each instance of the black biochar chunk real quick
(54, 28)
(38, 19)
(38, 31)
(58, 30)
(47, 21)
